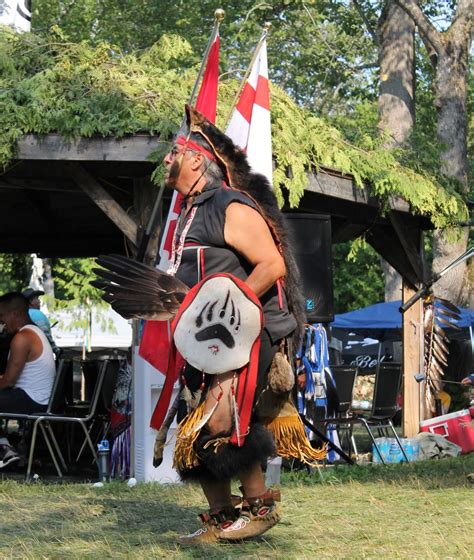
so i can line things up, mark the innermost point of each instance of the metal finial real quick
(219, 14)
(267, 25)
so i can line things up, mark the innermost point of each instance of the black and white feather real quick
(138, 291)
(439, 315)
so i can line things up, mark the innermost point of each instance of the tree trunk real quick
(450, 102)
(393, 282)
(452, 52)
(396, 102)
(48, 280)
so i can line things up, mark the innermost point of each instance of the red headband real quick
(183, 141)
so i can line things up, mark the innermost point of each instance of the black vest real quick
(206, 252)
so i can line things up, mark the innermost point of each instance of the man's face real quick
(7, 318)
(182, 167)
(35, 302)
(174, 162)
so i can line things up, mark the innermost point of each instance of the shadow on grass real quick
(129, 527)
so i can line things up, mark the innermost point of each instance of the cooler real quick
(456, 427)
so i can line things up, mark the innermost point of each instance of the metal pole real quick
(423, 291)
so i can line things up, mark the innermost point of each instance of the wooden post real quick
(144, 195)
(412, 363)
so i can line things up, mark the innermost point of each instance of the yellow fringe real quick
(291, 441)
(185, 456)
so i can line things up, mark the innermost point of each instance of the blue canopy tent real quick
(383, 322)
(385, 316)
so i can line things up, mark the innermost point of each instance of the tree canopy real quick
(49, 84)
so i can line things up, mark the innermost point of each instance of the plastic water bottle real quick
(380, 441)
(408, 448)
(395, 454)
(103, 460)
(272, 476)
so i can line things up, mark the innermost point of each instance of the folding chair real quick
(384, 406)
(104, 404)
(84, 420)
(344, 379)
(56, 405)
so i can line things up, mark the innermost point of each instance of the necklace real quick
(177, 245)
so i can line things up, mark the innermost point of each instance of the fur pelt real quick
(281, 378)
(234, 163)
(225, 460)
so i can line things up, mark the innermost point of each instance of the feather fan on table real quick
(439, 314)
(138, 291)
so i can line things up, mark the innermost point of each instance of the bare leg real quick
(217, 494)
(253, 481)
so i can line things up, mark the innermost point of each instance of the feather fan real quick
(138, 291)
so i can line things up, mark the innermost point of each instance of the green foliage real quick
(357, 277)
(321, 51)
(302, 141)
(74, 293)
(52, 85)
(49, 84)
(15, 272)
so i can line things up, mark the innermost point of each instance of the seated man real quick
(37, 316)
(25, 386)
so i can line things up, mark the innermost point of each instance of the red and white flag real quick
(206, 103)
(155, 342)
(249, 125)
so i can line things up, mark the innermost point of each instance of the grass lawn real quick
(420, 510)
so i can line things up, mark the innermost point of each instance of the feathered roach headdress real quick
(239, 175)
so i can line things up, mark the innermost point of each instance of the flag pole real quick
(219, 15)
(266, 28)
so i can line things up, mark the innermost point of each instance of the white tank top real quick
(37, 376)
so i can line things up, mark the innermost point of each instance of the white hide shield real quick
(218, 327)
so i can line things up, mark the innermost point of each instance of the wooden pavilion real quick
(70, 198)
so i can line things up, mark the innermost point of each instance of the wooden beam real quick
(331, 184)
(139, 147)
(55, 147)
(413, 340)
(37, 185)
(387, 243)
(345, 230)
(104, 201)
(411, 248)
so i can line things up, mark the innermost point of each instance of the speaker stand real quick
(331, 444)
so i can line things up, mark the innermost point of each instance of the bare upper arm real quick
(246, 231)
(22, 350)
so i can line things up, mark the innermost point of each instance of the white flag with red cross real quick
(249, 125)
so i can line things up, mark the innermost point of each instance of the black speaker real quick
(311, 247)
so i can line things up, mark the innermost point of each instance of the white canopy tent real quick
(106, 329)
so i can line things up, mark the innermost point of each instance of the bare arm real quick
(247, 232)
(19, 352)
